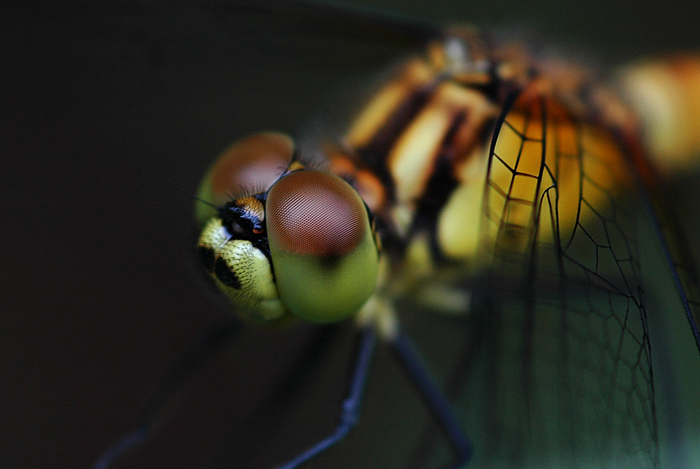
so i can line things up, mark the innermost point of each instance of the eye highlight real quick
(322, 246)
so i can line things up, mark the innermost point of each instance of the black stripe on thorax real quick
(440, 186)
(375, 153)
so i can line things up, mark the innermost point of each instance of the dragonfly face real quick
(312, 225)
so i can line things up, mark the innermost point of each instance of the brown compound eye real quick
(316, 214)
(322, 247)
(248, 167)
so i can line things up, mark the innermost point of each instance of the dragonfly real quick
(502, 188)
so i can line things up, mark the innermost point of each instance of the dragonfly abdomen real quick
(665, 94)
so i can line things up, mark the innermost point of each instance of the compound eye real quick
(322, 246)
(248, 167)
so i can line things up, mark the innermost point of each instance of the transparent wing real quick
(675, 249)
(567, 361)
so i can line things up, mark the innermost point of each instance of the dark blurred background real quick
(111, 115)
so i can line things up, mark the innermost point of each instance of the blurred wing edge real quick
(673, 242)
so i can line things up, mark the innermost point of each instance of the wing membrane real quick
(568, 363)
(674, 245)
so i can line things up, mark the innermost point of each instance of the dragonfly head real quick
(285, 240)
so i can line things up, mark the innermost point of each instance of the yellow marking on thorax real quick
(459, 221)
(411, 161)
(414, 76)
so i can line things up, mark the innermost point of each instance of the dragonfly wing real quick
(567, 375)
(673, 244)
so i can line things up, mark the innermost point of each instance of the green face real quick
(289, 241)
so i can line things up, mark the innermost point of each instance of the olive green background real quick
(111, 114)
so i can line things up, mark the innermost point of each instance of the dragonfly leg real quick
(351, 405)
(437, 402)
(191, 361)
